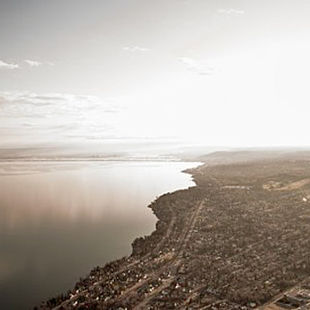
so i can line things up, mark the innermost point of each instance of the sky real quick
(194, 72)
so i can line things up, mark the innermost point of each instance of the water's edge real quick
(140, 245)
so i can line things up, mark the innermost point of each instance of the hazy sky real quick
(211, 72)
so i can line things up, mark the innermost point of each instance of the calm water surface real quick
(58, 220)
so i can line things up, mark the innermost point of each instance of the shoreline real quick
(234, 241)
(139, 242)
(139, 246)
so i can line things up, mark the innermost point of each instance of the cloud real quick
(33, 63)
(57, 115)
(134, 49)
(231, 11)
(56, 99)
(8, 66)
(200, 67)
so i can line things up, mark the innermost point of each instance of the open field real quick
(238, 240)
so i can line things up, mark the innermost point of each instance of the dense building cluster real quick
(236, 240)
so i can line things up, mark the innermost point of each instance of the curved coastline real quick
(235, 241)
(142, 247)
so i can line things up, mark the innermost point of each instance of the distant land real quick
(142, 151)
(236, 240)
(113, 151)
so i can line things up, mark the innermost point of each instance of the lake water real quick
(58, 220)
